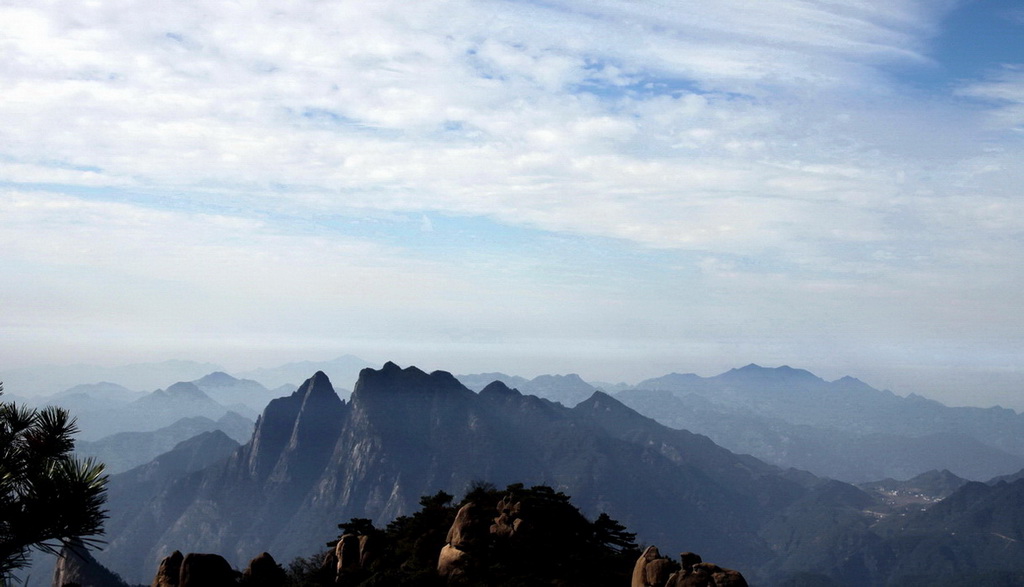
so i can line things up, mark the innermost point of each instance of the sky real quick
(615, 189)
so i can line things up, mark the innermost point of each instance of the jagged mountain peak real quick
(391, 379)
(318, 384)
(306, 421)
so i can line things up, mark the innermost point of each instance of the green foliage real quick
(554, 544)
(48, 498)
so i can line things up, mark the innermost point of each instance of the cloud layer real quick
(673, 185)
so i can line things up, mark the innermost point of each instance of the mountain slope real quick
(973, 537)
(843, 429)
(315, 461)
(125, 450)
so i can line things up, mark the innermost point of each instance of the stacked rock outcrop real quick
(351, 556)
(212, 570)
(654, 570)
(469, 533)
(263, 571)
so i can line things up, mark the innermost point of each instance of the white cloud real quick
(1004, 87)
(767, 139)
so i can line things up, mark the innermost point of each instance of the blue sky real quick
(617, 189)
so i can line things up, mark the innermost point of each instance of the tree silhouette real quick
(555, 544)
(48, 498)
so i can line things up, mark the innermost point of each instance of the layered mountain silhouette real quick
(52, 379)
(567, 390)
(126, 450)
(105, 409)
(315, 460)
(231, 391)
(843, 429)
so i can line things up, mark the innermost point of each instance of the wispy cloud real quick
(1005, 90)
(763, 159)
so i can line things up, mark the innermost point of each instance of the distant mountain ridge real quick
(800, 397)
(233, 392)
(315, 460)
(51, 379)
(844, 428)
(790, 417)
(106, 409)
(567, 390)
(125, 450)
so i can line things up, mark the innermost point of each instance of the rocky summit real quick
(315, 461)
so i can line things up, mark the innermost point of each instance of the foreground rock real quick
(212, 570)
(263, 571)
(654, 570)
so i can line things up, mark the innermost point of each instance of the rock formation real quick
(75, 566)
(206, 570)
(468, 535)
(352, 555)
(531, 536)
(654, 570)
(196, 570)
(263, 571)
(169, 570)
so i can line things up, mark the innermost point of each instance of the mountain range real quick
(126, 450)
(105, 409)
(315, 460)
(52, 379)
(843, 429)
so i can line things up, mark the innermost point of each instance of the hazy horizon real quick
(245, 369)
(615, 189)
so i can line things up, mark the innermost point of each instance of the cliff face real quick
(315, 461)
